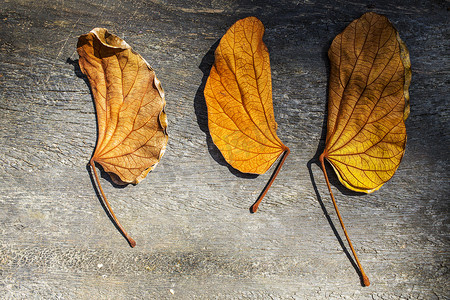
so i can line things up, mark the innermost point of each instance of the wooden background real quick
(190, 217)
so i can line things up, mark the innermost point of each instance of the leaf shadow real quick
(330, 222)
(330, 171)
(77, 70)
(103, 174)
(99, 197)
(201, 113)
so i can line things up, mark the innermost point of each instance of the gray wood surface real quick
(190, 217)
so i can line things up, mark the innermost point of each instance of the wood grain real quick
(190, 217)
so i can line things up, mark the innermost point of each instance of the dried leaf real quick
(129, 101)
(368, 104)
(238, 94)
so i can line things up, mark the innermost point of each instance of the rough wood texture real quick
(190, 216)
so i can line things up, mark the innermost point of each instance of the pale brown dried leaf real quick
(129, 101)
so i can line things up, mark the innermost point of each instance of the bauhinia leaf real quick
(238, 95)
(129, 101)
(368, 104)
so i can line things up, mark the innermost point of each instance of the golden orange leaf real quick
(129, 101)
(238, 95)
(368, 104)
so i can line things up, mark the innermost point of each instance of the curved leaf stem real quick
(365, 279)
(124, 233)
(254, 207)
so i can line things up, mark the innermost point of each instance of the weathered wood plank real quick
(190, 218)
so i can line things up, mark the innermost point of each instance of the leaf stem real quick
(365, 279)
(254, 207)
(124, 233)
